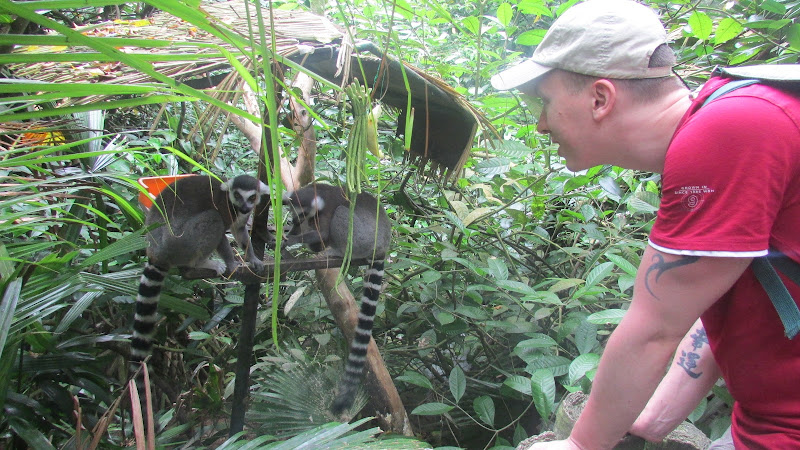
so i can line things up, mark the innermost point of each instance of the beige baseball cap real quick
(603, 38)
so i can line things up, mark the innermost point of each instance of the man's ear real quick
(604, 96)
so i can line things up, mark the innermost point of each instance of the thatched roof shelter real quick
(444, 122)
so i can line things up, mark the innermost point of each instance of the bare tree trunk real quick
(382, 392)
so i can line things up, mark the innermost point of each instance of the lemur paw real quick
(256, 264)
(218, 266)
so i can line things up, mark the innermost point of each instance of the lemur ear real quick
(226, 185)
(263, 189)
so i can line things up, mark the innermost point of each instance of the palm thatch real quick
(444, 127)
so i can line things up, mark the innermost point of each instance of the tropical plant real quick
(503, 285)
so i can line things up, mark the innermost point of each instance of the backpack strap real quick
(763, 266)
(732, 86)
(776, 290)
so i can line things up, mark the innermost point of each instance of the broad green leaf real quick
(535, 7)
(519, 383)
(431, 409)
(607, 317)
(7, 309)
(416, 379)
(611, 186)
(727, 29)
(498, 269)
(475, 214)
(793, 36)
(511, 148)
(515, 286)
(586, 337)
(531, 37)
(504, 14)
(472, 24)
(543, 391)
(700, 24)
(581, 365)
(458, 383)
(493, 166)
(445, 318)
(539, 340)
(472, 312)
(598, 274)
(622, 263)
(773, 7)
(484, 408)
(543, 297)
(564, 284)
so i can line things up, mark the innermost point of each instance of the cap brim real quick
(518, 75)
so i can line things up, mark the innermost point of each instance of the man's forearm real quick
(691, 375)
(626, 378)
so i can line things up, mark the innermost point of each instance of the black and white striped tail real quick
(356, 360)
(144, 322)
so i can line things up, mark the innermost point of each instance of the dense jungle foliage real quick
(502, 285)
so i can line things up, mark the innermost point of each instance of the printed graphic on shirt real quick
(692, 197)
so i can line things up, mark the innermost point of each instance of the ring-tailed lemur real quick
(195, 213)
(321, 222)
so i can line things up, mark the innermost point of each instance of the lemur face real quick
(245, 192)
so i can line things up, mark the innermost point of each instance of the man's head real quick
(599, 38)
(604, 74)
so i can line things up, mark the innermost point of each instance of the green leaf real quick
(504, 14)
(622, 263)
(598, 274)
(539, 340)
(33, 437)
(543, 391)
(516, 286)
(607, 317)
(534, 7)
(581, 365)
(559, 365)
(793, 36)
(700, 24)
(7, 308)
(727, 29)
(431, 409)
(415, 378)
(519, 383)
(484, 408)
(531, 37)
(472, 24)
(493, 166)
(773, 7)
(458, 383)
(498, 269)
(564, 284)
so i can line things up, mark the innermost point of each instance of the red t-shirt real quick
(731, 187)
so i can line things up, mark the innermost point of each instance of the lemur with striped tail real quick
(195, 213)
(321, 222)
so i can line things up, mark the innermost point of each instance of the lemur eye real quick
(252, 198)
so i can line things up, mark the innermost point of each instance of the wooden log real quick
(685, 437)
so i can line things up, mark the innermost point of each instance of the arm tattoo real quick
(688, 360)
(660, 266)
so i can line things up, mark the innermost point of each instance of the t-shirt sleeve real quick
(724, 179)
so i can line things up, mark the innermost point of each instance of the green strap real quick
(780, 297)
(762, 267)
(733, 85)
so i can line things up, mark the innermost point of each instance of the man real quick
(731, 190)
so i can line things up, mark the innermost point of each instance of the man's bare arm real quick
(691, 375)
